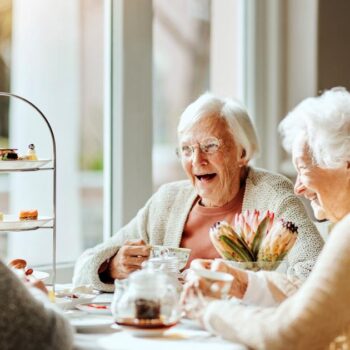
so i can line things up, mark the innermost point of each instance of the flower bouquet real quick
(254, 238)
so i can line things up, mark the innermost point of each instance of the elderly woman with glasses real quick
(217, 141)
(317, 132)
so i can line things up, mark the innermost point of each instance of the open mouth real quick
(205, 177)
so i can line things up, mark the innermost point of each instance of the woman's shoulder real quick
(258, 177)
(183, 186)
(178, 190)
(266, 190)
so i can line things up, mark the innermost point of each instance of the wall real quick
(333, 44)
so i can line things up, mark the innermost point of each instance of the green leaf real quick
(259, 236)
(244, 254)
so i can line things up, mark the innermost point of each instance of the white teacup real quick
(213, 283)
(182, 254)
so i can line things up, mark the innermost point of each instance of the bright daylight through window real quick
(65, 80)
(181, 61)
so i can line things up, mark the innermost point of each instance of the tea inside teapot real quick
(148, 298)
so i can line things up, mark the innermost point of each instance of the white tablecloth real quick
(180, 337)
(187, 335)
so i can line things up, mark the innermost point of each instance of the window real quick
(97, 94)
(59, 68)
(181, 62)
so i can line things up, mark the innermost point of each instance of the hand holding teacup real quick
(202, 286)
(239, 283)
(128, 259)
(213, 284)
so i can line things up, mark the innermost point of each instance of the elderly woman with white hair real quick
(317, 132)
(217, 141)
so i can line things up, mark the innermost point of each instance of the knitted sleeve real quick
(26, 323)
(160, 221)
(273, 288)
(88, 264)
(310, 319)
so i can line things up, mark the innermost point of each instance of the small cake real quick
(31, 155)
(28, 215)
(8, 154)
(20, 267)
(18, 263)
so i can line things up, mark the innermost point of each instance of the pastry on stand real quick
(31, 155)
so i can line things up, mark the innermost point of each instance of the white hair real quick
(325, 121)
(236, 116)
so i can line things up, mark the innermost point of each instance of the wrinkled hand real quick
(240, 282)
(202, 264)
(128, 259)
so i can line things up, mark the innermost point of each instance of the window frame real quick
(128, 123)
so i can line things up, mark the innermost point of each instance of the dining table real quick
(180, 337)
(98, 331)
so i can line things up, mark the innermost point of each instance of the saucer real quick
(152, 329)
(96, 308)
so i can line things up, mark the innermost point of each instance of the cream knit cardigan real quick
(161, 222)
(309, 320)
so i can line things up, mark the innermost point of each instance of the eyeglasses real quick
(208, 146)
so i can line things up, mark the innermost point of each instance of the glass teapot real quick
(149, 298)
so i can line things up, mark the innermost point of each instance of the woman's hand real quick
(240, 282)
(128, 259)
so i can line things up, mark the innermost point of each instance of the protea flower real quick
(253, 228)
(254, 237)
(228, 243)
(278, 242)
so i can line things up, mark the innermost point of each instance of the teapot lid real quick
(148, 277)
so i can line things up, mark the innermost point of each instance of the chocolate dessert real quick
(8, 154)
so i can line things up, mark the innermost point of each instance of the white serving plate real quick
(96, 308)
(40, 275)
(82, 295)
(12, 222)
(22, 164)
(145, 332)
(67, 302)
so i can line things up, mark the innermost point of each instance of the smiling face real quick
(327, 189)
(216, 176)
